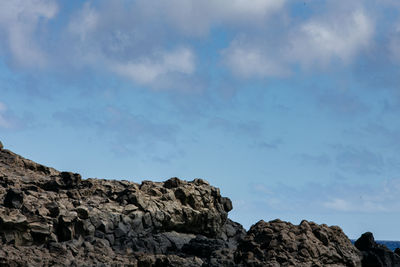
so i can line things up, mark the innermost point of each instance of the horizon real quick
(289, 107)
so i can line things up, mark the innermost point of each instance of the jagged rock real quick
(57, 218)
(1, 145)
(279, 243)
(376, 255)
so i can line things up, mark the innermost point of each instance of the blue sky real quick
(290, 107)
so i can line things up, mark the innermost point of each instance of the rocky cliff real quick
(50, 218)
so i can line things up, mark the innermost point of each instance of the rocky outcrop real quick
(52, 218)
(279, 243)
(376, 255)
(49, 217)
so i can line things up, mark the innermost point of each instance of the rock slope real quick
(52, 218)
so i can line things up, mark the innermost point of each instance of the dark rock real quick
(70, 180)
(227, 204)
(65, 229)
(122, 230)
(203, 247)
(83, 212)
(14, 199)
(1, 145)
(53, 209)
(53, 218)
(374, 254)
(40, 232)
(13, 221)
(278, 243)
(365, 242)
(52, 185)
(172, 183)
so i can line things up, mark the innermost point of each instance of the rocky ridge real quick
(52, 218)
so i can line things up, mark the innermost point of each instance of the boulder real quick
(374, 254)
(279, 243)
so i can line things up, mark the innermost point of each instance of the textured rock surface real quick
(52, 218)
(49, 217)
(376, 255)
(279, 243)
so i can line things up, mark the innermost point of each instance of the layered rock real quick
(52, 218)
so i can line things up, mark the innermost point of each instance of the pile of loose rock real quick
(52, 218)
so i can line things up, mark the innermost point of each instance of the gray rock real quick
(280, 243)
(52, 218)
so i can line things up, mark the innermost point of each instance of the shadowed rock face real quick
(376, 255)
(50, 218)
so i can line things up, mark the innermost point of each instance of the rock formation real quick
(50, 218)
(278, 243)
(376, 255)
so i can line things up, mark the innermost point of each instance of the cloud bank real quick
(154, 42)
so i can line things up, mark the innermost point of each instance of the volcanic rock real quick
(13, 199)
(278, 243)
(376, 255)
(52, 218)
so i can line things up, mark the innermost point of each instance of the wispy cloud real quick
(20, 23)
(196, 18)
(335, 36)
(247, 59)
(148, 70)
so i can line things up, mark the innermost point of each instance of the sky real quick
(291, 108)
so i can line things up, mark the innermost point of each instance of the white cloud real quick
(195, 17)
(126, 37)
(147, 70)
(246, 61)
(337, 36)
(19, 21)
(322, 40)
